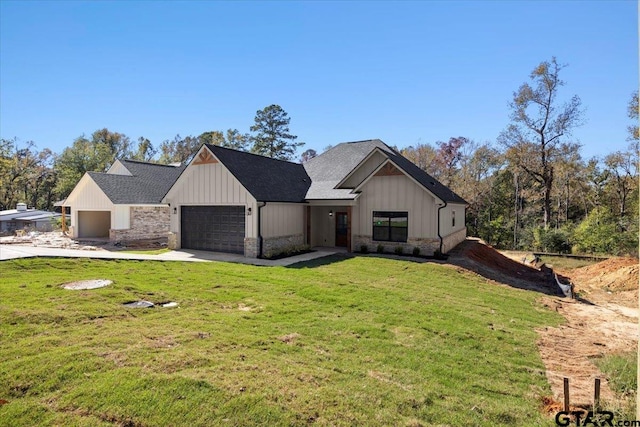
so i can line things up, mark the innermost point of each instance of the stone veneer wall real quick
(251, 247)
(146, 222)
(272, 246)
(427, 246)
(172, 240)
(453, 239)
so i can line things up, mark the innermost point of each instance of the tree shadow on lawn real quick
(339, 257)
(319, 262)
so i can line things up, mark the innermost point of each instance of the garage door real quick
(213, 228)
(94, 223)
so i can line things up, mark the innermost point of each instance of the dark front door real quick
(342, 229)
(213, 228)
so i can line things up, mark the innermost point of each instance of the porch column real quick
(308, 217)
(349, 210)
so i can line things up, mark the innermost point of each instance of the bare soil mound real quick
(477, 256)
(615, 274)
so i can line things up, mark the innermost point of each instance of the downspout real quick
(260, 230)
(439, 235)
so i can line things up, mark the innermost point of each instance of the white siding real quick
(121, 219)
(364, 170)
(323, 225)
(87, 196)
(396, 193)
(446, 215)
(118, 169)
(210, 184)
(282, 219)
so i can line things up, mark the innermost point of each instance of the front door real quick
(342, 229)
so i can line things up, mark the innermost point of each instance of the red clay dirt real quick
(603, 320)
(477, 256)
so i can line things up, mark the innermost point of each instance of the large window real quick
(390, 226)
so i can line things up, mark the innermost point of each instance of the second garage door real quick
(213, 228)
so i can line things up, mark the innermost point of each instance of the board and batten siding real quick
(397, 193)
(210, 184)
(121, 218)
(118, 169)
(365, 169)
(282, 219)
(446, 215)
(87, 196)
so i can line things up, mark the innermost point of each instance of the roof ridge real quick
(250, 153)
(148, 163)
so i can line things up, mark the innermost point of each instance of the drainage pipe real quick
(260, 229)
(439, 235)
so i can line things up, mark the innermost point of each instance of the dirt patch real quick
(52, 239)
(477, 256)
(603, 320)
(56, 239)
(289, 338)
(614, 274)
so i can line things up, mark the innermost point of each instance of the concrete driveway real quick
(14, 251)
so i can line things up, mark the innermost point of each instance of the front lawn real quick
(360, 341)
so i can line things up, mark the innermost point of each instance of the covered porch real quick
(329, 223)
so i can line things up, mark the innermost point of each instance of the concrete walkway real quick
(8, 252)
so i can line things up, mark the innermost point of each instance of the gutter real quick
(260, 230)
(439, 235)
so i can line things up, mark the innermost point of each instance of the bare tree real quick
(539, 127)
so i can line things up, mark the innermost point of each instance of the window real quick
(390, 226)
(453, 218)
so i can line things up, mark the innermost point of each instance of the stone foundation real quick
(427, 246)
(145, 223)
(251, 247)
(272, 246)
(453, 239)
(172, 240)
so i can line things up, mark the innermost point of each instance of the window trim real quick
(389, 215)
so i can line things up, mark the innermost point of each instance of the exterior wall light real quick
(175, 210)
(248, 211)
(331, 213)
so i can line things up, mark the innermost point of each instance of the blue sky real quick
(404, 72)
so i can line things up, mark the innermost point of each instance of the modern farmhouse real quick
(356, 195)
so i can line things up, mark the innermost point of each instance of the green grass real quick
(621, 371)
(146, 251)
(564, 263)
(361, 341)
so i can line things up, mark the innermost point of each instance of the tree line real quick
(40, 178)
(530, 189)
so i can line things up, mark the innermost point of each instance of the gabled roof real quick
(441, 191)
(267, 179)
(330, 168)
(147, 185)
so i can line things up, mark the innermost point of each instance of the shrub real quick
(364, 249)
(399, 250)
(416, 251)
(380, 249)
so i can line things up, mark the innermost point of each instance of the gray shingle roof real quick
(267, 179)
(329, 168)
(147, 185)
